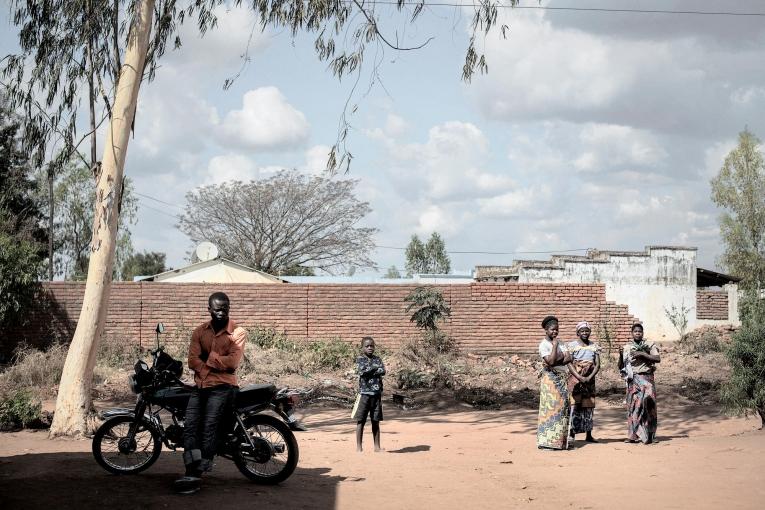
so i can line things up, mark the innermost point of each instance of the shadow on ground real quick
(74, 480)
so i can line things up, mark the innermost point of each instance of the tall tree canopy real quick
(143, 264)
(22, 241)
(428, 258)
(286, 221)
(739, 189)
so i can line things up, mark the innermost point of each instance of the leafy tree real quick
(435, 252)
(286, 221)
(22, 241)
(45, 25)
(745, 390)
(392, 273)
(75, 194)
(428, 308)
(143, 264)
(428, 258)
(416, 259)
(739, 189)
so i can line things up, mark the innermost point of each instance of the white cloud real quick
(395, 126)
(316, 159)
(231, 167)
(521, 203)
(266, 122)
(223, 48)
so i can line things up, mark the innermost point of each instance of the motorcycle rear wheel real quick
(276, 450)
(117, 454)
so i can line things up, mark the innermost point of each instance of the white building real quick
(216, 270)
(657, 283)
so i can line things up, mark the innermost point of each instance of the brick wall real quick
(486, 317)
(712, 304)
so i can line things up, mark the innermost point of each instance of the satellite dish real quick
(206, 251)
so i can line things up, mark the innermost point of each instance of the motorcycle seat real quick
(254, 394)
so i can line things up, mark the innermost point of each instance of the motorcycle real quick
(262, 446)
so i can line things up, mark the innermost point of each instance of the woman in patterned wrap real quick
(638, 362)
(552, 427)
(584, 366)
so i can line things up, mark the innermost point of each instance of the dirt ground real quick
(435, 458)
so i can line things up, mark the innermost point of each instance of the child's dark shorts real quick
(371, 405)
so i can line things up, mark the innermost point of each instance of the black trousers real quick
(207, 410)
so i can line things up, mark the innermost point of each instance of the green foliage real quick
(143, 264)
(413, 378)
(739, 189)
(425, 365)
(428, 258)
(74, 197)
(18, 409)
(22, 241)
(331, 354)
(392, 273)
(20, 266)
(270, 338)
(678, 317)
(428, 308)
(745, 390)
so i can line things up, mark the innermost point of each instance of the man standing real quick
(215, 351)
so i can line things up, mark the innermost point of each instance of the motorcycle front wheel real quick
(117, 453)
(275, 453)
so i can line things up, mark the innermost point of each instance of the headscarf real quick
(582, 325)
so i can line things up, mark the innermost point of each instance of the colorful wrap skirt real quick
(582, 397)
(554, 409)
(642, 417)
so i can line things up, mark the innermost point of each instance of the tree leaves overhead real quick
(428, 258)
(739, 189)
(283, 222)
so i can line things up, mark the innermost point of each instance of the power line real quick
(157, 200)
(593, 9)
(494, 252)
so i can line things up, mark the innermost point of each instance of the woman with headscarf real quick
(638, 362)
(584, 366)
(554, 409)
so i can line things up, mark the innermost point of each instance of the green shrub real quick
(428, 308)
(19, 409)
(331, 354)
(270, 338)
(413, 378)
(745, 390)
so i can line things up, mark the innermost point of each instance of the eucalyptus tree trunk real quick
(74, 405)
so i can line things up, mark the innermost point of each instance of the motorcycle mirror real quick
(160, 328)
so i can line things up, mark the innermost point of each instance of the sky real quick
(590, 130)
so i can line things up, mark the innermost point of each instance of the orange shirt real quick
(225, 349)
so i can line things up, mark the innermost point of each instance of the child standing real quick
(369, 402)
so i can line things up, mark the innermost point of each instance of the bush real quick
(269, 338)
(745, 390)
(32, 368)
(702, 341)
(331, 354)
(117, 353)
(19, 409)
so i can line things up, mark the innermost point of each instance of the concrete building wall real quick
(647, 282)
